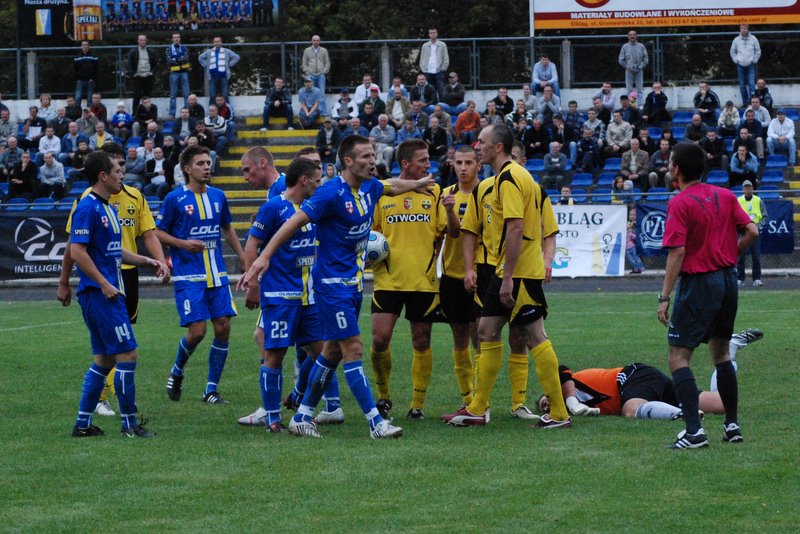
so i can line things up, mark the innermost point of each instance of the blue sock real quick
(182, 356)
(319, 376)
(332, 400)
(126, 393)
(93, 382)
(216, 363)
(354, 375)
(271, 384)
(302, 376)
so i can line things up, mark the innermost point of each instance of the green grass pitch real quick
(205, 473)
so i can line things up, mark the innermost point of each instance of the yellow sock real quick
(462, 365)
(547, 370)
(518, 376)
(109, 385)
(491, 358)
(382, 369)
(421, 367)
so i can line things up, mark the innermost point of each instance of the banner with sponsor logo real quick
(777, 235)
(582, 14)
(32, 243)
(591, 240)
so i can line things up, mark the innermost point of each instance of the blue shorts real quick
(109, 326)
(338, 313)
(705, 307)
(285, 326)
(202, 303)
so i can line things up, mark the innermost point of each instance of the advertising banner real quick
(591, 240)
(32, 243)
(582, 14)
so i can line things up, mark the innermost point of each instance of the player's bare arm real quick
(469, 242)
(251, 300)
(453, 224)
(548, 253)
(153, 246)
(513, 245)
(671, 273)
(64, 292)
(397, 186)
(84, 262)
(233, 241)
(143, 261)
(747, 237)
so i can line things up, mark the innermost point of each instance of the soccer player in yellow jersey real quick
(136, 220)
(523, 233)
(413, 224)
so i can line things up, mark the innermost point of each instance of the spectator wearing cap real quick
(757, 210)
(121, 122)
(630, 114)
(309, 98)
(728, 122)
(344, 110)
(278, 104)
(780, 136)
(316, 64)
(374, 98)
(545, 75)
(328, 138)
(453, 100)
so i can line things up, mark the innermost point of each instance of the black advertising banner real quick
(46, 22)
(32, 243)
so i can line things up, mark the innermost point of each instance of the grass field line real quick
(45, 325)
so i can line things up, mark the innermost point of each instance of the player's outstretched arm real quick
(143, 261)
(153, 246)
(64, 292)
(673, 269)
(87, 266)
(396, 186)
(191, 245)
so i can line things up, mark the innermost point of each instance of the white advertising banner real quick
(591, 240)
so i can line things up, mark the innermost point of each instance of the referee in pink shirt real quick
(705, 232)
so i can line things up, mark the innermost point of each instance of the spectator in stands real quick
(715, 149)
(225, 110)
(647, 143)
(330, 173)
(780, 136)
(98, 108)
(87, 123)
(512, 119)
(666, 133)
(467, 124)
(196, 110)
(757, 210)
(655, 106)
(555, 167)
(659, 166)
(588, 151)
(10, 156)
(22, 178)
(566, 196)
(597, 126)
(374, 98)
(397, 83)
(100, 136)
(445, 120)
(33, 129)
(363, 90)
(436, 139)
(728, 122)
(383, 137)
(706, 104)
(635, 165)
(219, 126)
(153, 134)
(763, 94)
(278, 103)
(618, 137)
(328, 139)
(183, 128)
(179, 68)
(85, 66)
(172, 151)
(8, 127)
(218, 62)
(491, 114)
(634, 262)
(417, 115)
(745, 53)
(601, 112)
(545, 75)
(754, 126)
(369, 119)
(744, 166)
(146, 112)
(520, 128)
(529, 98)
(50, 142)
(316, 65)
(548, 105)
(433, 62)
(447, 168)
(536, 140)
(355, 128)
(61, 123)
(134, 169)
(159, 175)
(574, 118)
(345, 109)
(619, 190)
(78, 161)
(309, 98)
(695, 130)
(568, 137)
(453, 100)
(760, 112)
(141, 66)
(408, 131)
(504, 104)
(425, 93)
(47, 110)
(72, 109)
(69, 143)
(146, 151)
(633, 58)
(52, 182)
(750, 142)
(607, 97)
(397, 107)
(630, 114)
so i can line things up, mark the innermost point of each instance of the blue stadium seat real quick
(118, 140)
(778, 161)
(682, 117)
(679, 134)
(534, 165)
(768, 192)
(606, 178)
(612, 164)
(728, 144)
(17, 204)
(168, 128)
(395, 170)
(554, 194)
(66, 204)
(637, 194)
(583, 179)
(658, 194)
(3, 188)
(43, 204)
(772, 176)
(579, 196)
(601, 196)
(80, 184)
(737, 190)
(536, 178)
(717, 177)
(655, 132)
(792, 114)
(134, 141)
(741, 113)
(434, 169)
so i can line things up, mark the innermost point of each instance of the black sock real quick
(688, 397)
(728, 387)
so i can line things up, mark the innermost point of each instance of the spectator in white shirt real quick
(780, 136)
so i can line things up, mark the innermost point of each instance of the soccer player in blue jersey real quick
(96, 248)
(342, 210)
(192, 222)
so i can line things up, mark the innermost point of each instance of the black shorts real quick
(529, 302)
(485, 273)
(705, 307)
(130, 277)
(421, 307)
(457, 303)
(642, 381)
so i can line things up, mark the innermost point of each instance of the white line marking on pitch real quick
(28, 327)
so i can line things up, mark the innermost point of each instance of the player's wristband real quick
(662, 299)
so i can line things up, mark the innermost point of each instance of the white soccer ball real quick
(377, 248)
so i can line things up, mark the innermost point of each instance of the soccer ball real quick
(377, 248)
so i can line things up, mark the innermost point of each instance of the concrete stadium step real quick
(274, 149)
(245, 194)
(218, 181)
(273, 121)
(244, 210)
(278, 134)
(241, 225)
(236, 164)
